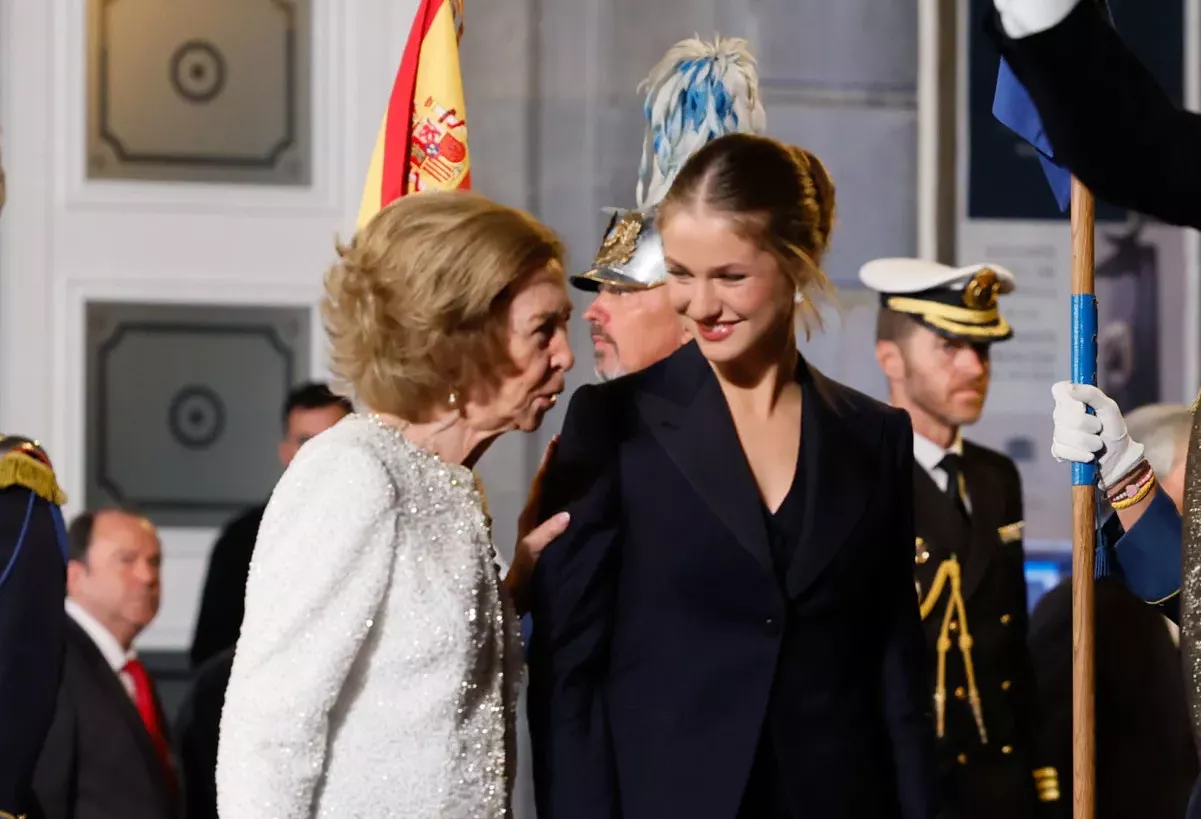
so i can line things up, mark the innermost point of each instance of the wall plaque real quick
(200, 90)
(184, 406)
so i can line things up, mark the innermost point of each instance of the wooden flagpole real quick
(1084, 511)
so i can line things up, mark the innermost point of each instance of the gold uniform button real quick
(1006, 685)
(954, 626)
(1005, 618)
(1007, 749)
(962, 759)
(960, 693)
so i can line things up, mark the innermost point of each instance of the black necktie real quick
(952, 464)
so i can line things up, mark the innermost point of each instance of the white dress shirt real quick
(929, 454)
(109, 647)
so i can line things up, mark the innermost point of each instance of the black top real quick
(766, 796)
(785, 525)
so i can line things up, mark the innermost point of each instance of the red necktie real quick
(148, 709)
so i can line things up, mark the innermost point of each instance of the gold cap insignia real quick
(620, 242)
(981, 291)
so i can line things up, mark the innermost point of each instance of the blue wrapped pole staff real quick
(1013, 107)
(1084, 511)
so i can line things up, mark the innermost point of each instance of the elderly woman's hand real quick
(532, 536)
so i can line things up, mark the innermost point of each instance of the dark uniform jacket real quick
(32, 624)
(1001, 774)
(1106, 117)
(1145, 759)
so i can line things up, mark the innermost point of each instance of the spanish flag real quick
(422, 142)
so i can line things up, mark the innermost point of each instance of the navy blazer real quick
(664, 646)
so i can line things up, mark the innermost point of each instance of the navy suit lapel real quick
(690, 419)
(109, 686)
(839, 458)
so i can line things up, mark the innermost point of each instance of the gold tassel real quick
(21, 470)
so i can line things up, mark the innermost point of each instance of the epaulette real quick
(25, 464)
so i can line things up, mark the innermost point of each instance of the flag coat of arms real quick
(422, 142)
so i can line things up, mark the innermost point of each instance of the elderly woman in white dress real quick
(378, 665)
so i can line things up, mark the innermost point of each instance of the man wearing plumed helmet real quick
(699, 91)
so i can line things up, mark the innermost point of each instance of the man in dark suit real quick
(310, 409)
(935, 328)
(1104, 114)
(32, 621)
(198, 730)
(107, 753)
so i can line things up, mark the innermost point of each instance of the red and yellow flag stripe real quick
(422, 143)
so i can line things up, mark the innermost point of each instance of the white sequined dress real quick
(378, 664)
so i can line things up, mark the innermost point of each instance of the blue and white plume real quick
(699, 91)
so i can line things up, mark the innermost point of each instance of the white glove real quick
(1079, 437)
(1021, 18)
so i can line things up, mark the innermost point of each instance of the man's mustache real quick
(598, 332)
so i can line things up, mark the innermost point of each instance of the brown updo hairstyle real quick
(417, 307)
(778, 196)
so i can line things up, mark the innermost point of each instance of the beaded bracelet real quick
(1134, 477)
(1138, 496)
(1135, 486)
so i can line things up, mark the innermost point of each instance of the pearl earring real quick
(453, 400)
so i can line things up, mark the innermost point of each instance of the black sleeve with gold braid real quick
(32, 618)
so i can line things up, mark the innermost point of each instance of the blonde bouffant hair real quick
(417, 307)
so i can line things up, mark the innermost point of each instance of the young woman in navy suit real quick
(728, 628)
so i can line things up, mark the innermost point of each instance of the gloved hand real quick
(1080, 437)
(1021, 18)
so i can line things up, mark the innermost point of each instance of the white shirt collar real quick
(109, 646)
(928, 454)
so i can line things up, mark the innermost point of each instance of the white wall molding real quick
(322, 198)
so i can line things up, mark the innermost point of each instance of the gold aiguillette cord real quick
(955, 611)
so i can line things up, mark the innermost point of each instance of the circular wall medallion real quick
(197, 71)
(196, 417)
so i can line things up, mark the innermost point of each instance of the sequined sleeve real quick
(321, 569)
